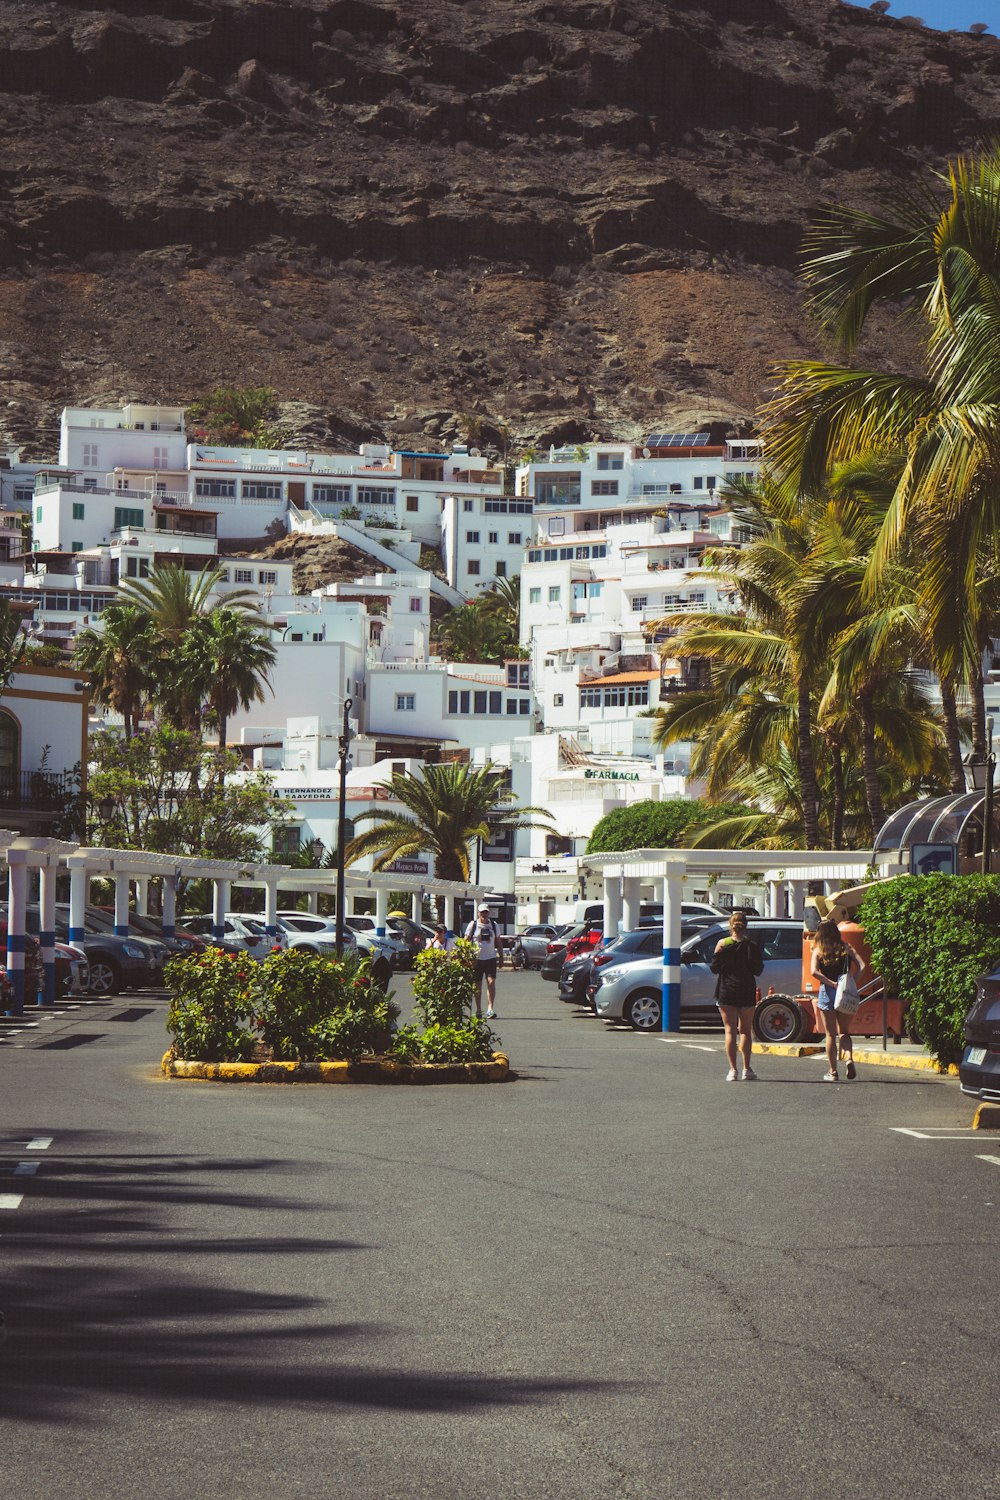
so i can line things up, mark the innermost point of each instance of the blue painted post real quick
(612, 906)
(271, 908)
(449, 917)
(220, 905)
(47, 933)
(18, 893)
(78, 880)
(381, 909)
(121, 905)
(670, 1011)
(169, 906)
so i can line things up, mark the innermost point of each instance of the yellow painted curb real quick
(987, 1117)
(365, 1070)
(870, 1059)
(788, 1049)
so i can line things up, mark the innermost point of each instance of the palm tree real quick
(174, 598)
(471, 633)
(232, 657)
(120, 661)
(13, 641)
(445, 810)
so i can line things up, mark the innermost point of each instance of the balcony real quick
(37, 791)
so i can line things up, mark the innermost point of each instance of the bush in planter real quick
(472, 1042)
(444, 989)
(318, 1009)
(211, 1010)
(930, 937)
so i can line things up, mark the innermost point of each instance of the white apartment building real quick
(456, 703)
(483, 538)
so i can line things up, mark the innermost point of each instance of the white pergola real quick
(138, 867)
(625, 873)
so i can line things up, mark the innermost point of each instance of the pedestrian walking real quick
(485, 933)
(737, 961)
(832, 958)
(440, 938)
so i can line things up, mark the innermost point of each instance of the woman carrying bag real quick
(836, 965)
(737, 960)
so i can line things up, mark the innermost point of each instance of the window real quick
(405, 702)
(77, 547)
(90, 484)
(127, 515)
(267, 575)
(416, 605)
(519, 674)
(90, 455)
(285, 844)
(524, 705)
(494, 703)
(513, 539)
(611, 461)
(223, 575)
(160, 458)
(493, 538)
(137, 567)
(590, 697)
(243, 575)
(558, 489)
(38, 512)
(604, 486)
(534, 596)
(479, 703)
(463, 702)
(601, 551)
(501, 570)
(78, 510)
(373, 494)
(331, 494)
(512, 705)
(639, 601)
(257, 489)
(472, 536)
(412, 502)
(216, 489)
(23, 494)
(555, 593)
(505, 507)
(467, 506)
(638, 694)
(557, 700)
(473, 570)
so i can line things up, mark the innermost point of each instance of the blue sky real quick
(950, 15)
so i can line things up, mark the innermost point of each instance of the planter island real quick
(364, 1070)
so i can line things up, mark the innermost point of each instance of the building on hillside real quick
(466, 703)
(17, 481)
(43, 751)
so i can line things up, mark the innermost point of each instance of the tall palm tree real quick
(231, 658)
(120, 661)
(174, 599)
(445, 810)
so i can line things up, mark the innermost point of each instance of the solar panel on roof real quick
(676, 440)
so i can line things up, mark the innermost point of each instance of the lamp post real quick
(344, 746)
(982, 769)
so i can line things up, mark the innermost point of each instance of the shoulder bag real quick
(848, 997)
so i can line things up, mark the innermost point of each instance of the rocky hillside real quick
(574, 218)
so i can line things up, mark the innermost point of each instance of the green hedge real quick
(931, 936)
(655, 825)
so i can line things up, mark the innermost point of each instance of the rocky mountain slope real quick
(572, 218)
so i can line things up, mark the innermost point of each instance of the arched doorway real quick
(10, 756)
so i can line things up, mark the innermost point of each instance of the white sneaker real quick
(749, 1076)
(491, 1014)
(830, 1078)
(731, 1076)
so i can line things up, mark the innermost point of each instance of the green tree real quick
(238, 417)
(230, 658)
(444, 811)
(12, 642)
(652, 825)
(119, 660)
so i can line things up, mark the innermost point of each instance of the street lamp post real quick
(344, 746)
(982, 770)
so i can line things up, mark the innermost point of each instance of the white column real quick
(18, 901)
(78, 881)
(220, 905)
(313, 899)
(121, 905)
(169, 920)
(612, 907)
(381, 909)
(47, 932)
(417, 906)
(271, 907)
(797, 898)
(142, 896)
(673, 893)
(774, 903)
(630, 891)
(449, 916)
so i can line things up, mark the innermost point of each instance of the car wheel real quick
(104, 977)
(643, 1011)
(777, 1019)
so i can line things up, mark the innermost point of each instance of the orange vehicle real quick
(791, 1018)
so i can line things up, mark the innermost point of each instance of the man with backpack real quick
(485, 933)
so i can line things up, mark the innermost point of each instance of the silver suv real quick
(633, 992)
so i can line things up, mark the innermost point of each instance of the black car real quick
(115, 963)
(979, 1070)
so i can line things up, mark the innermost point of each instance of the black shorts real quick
(486, 968)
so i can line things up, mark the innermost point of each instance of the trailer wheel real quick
(777, 1019)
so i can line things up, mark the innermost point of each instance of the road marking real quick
(694, 1047)
(931, 1134)
(10, 1200)
(40, 1143)
(994, 1160)
(26, 1168)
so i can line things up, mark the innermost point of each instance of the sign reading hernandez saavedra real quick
(592, 775)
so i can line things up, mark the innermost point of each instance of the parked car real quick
(408, 932)
(369, 941)
(556, 951)
(633, 992)
(72, 971)
(240, 929)
(316, 934)
(534, 942)
(182, 945)
(33, 971)
(979, 1070)
(577, 974)
(115, 963)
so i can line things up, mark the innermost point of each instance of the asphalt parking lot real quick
(616, 1277)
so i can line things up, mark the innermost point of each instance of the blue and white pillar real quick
(449, 917)
(169, 922)
(612, 906)
(220, 905)
(47, 932)
(630, 895)
(271, 908)
(78, 882)
(381, 909)
(670, 1015)
(18, 901)
(121, 904)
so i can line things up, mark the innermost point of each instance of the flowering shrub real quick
(444, 987)
(472, 1042)
(210, 1015)
(312, 1007)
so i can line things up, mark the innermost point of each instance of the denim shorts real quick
(827, 997)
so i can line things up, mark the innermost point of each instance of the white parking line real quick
(26, 1168)
(10, 1200)
(39, 1143)
(932, 1133)
(694, 1047)
(994, 1160)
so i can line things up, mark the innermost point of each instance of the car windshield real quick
(257, 928)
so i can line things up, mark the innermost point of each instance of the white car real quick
(242, 931)
(304, 929)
